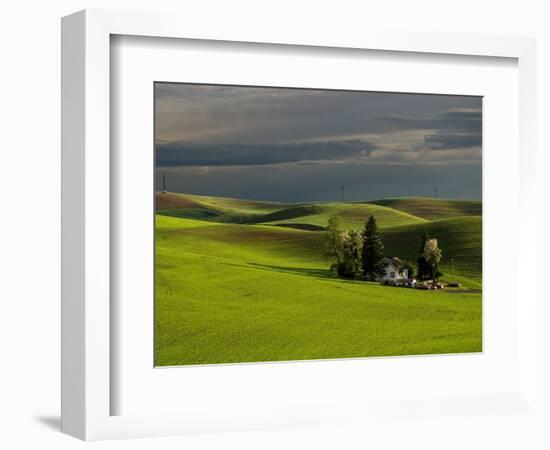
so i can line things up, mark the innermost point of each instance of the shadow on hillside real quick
(319, 274)
(315, 273)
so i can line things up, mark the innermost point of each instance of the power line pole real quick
(163, 182)
(342, 193)
(435, 192)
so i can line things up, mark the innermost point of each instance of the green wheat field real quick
(246, 281)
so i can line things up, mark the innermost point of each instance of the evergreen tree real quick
(373, 250)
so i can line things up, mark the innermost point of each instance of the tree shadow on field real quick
(319, 274)
(315, 273)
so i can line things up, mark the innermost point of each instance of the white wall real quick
(29, 177)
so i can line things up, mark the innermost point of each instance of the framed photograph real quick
(265, 229)
(287, 218)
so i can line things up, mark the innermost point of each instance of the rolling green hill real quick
(432, 209)
(168, 223)
(459, 237)
(251, 243)
(218, 209)
(460, 240)
(240, 292)
(351, 215)
(240, 280)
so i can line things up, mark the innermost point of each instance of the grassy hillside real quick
(224, 210)
(250, 243)
(351, 215)
(432, 209)
(171, 200)
(217, 209)
(166, 223)
(243, 292)
(460, 240)
(236, 281)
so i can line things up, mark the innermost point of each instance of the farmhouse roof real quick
(394, 261)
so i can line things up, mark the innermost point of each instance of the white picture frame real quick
(87, 386)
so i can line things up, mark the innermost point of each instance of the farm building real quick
(394, 270)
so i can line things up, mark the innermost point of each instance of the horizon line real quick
(423, 197)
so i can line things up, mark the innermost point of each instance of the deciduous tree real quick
(344, 249)
(422, 267)
(432, 255)
(333, 242)
(352, 246)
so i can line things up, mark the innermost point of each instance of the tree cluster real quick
(344, 248)
(355, 253)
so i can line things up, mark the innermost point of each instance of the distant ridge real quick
(432, 208)
(305, 216)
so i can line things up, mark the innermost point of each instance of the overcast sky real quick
(296, 145)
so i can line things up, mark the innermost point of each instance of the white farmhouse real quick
(394, 270)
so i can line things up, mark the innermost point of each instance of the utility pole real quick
(164, 183)
(435, 192)
(342, 193)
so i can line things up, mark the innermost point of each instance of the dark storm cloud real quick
(452, 141)
(458, 120)
(301, 144)
(196, 154)
(467, 120)
(248, 115)
(455, 128)
(172, 90)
